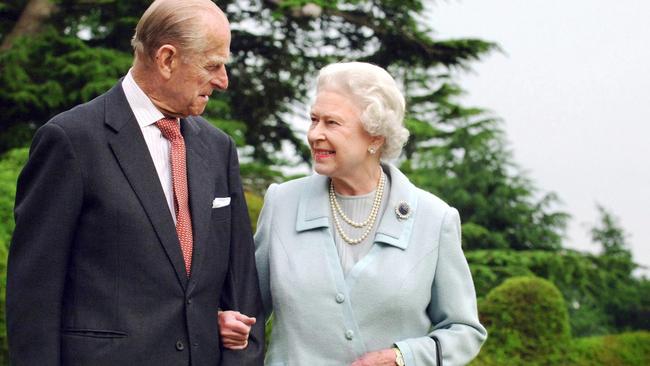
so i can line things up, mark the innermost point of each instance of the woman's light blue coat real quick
(412, 285)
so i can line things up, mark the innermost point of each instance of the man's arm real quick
(234, 328)
(241, 290)
(48, 201)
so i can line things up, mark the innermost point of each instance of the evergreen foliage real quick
(9, 12)
(610, 235)
(11, 163)
(630, 308)
(527, 321)
(527, 325)
(48, 73)
(460, 154)
(601, 293)
(620, 349)
(277, 48)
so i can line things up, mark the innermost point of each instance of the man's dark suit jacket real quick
(96, 275)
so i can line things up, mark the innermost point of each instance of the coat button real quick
(349, 335)
(189, 301)
(179, 345)
(340, 298)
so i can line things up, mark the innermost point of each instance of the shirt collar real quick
(144, 110)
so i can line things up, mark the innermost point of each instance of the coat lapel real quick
(392, 230)
(201, 186)
(134, 158)
(313, 208)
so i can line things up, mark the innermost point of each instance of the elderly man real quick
(131, 225)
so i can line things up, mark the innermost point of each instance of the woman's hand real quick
(384, 357)
(234, 328)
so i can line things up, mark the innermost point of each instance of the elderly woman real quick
(358, 265)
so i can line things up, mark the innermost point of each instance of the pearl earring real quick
(372, 150)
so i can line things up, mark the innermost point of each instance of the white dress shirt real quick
(147, 114)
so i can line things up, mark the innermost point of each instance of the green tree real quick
(602, 296)
(630, 305)
(49, 73)
(460, 154)
(277, 48)
(609, 234)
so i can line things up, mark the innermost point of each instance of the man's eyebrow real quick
(218, 60)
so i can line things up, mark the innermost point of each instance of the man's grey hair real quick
(376, 93)
(175, 22)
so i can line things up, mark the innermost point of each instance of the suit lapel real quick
(134, 158)
(201, 185)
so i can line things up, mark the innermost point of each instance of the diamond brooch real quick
(403, 210)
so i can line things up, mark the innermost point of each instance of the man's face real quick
(199, 74)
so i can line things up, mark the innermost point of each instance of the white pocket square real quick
(220, 202)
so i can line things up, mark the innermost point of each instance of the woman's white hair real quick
(376, 93)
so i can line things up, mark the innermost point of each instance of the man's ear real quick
(166, 60)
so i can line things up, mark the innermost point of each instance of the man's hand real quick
(384, 357)
(234, 328)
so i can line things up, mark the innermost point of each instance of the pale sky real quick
(573, 89)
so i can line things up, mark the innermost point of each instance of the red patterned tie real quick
(171, 129)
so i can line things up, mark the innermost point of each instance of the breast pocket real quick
(221, 214)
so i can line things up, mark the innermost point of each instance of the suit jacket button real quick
(179, 345)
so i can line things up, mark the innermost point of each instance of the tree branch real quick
(31, 20)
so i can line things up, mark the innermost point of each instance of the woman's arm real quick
(452, 309)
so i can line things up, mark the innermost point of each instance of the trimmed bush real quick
(622, 349)
(527, 321)
(601, 294)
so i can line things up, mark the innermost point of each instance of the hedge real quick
(527, 324)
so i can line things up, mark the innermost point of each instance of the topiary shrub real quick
(527, 321)
(602, 296)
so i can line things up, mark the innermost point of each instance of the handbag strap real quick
(438, 351)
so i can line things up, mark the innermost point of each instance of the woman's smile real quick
(320, 154)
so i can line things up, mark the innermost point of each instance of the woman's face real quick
(339, 143)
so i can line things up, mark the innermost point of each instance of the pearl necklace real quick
(370, 221)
